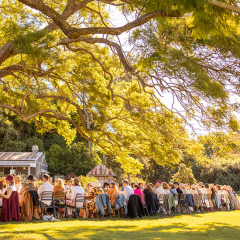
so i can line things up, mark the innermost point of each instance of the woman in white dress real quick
(75, 190)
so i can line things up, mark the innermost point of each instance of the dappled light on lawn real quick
(215, 225)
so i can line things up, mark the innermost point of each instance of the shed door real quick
(101, 180)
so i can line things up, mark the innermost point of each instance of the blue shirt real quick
(173, 191)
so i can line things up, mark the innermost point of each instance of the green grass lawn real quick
(213, 225)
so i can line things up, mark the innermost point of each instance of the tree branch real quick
(8, 70)
(226, 6)
(119, 30)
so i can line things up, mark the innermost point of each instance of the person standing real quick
(10, 202)
(18, 184)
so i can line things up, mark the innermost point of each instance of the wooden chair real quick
(60, 201)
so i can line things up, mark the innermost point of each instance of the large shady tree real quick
(63, 65)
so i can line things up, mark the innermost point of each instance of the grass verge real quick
(213, 225)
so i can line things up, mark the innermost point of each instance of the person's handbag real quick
(91, 215)
(82, 213)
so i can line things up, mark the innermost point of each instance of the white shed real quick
(26, 163)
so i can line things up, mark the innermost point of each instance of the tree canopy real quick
(64, 67)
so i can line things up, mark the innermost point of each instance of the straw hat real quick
(96, 184)
(77, 181)
(200, 184)
(182, 185)
(225, 188)
(193, 186)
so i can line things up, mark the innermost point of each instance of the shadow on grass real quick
(214, 230)
(118, 229)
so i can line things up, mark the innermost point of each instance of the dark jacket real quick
(135, 206)
(180, 192)
(147, 194)
(35, 198)
(152, 204)
(190, 200)
(102, 201)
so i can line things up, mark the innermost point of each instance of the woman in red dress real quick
(10, 203)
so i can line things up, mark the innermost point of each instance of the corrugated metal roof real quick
(18, 156)
(101, 170)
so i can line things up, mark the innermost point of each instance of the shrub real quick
(184, 175)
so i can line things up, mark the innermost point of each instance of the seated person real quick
(188, 187)
(158, 188)
(140, 185)
(88, 188)
(193, 190)
(201, 188)
(128, 191)
(68, 186)
(112, 192)
(173, 191)
(182, 186)
(59, 186)
(96, 190)
(137, 189)
(29, 186)
(147, 191)
(165, 188)
(75, 190)
(46, 186)
(30, 203)
(105, 187)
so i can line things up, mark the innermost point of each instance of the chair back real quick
(182, 198)
(60, 198)
(161, 198)
(176, 198)
(204, 198)
(60, 195)
(209, 196)
(47, 196)
(79, 200)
